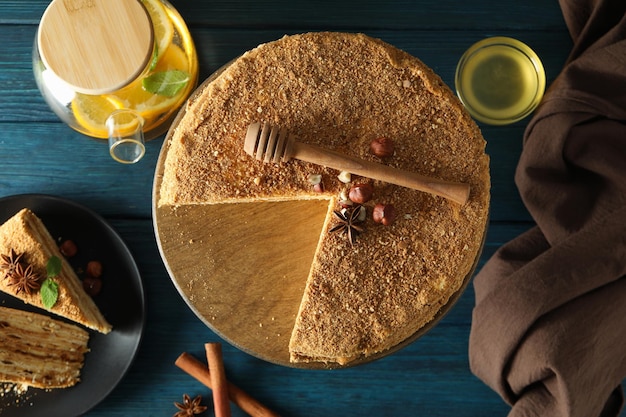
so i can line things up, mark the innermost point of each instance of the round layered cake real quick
(280, 249)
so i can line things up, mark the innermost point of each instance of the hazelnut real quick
(68, 248)
(384, 213)
(382, 147)
(92, 285)
(361, 193)
(94, 269)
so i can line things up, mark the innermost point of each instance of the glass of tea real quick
(500, 80)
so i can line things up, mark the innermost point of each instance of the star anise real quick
(349, 222)
(25, 279)
(189, 407)
(8, 263)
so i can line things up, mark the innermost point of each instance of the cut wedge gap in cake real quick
(243, 267)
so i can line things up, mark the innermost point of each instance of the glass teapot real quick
(116, 69)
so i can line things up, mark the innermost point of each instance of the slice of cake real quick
(342, 92)
(38, 351)
(26, 246)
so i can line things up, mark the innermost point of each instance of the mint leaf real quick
(53, 268)
(166, 83)
(49, 293)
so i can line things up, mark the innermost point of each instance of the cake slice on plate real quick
(26, 246)
(40, 352)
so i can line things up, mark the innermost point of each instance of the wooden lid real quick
(96, 46)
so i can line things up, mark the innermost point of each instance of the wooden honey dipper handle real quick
(270, 144)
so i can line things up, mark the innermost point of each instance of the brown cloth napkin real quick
(549, 326)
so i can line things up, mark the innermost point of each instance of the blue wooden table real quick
(431, 377)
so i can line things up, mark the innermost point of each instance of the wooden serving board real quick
(242, 268)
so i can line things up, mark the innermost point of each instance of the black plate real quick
(121, 301)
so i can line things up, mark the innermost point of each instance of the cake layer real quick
(38, 351)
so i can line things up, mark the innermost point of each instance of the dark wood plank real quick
(52, 158)
(347, 15)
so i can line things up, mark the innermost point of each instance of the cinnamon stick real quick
(243, 400)
(218, 379)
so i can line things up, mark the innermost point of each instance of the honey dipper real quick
(272, 144)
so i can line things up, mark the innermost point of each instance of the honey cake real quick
(24, 236)
(38, 351)
(341, 91)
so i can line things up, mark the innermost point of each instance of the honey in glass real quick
(500, 80)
